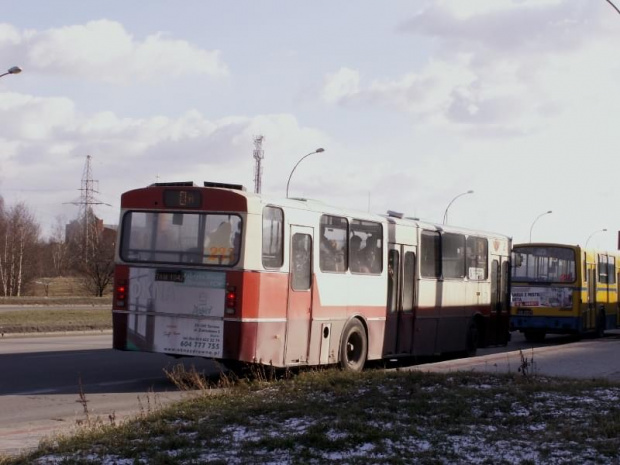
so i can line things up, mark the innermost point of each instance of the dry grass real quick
(62, 286)
(381, 417)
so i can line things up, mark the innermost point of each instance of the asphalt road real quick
(559, 356)
(42, 378)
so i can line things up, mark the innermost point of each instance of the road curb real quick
(56, 333)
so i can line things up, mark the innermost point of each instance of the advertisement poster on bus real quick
(559, 297)
(177, 311)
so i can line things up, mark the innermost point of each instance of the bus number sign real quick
(182, 198)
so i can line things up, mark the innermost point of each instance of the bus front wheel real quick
(353, 347)
(534, 335)
(601, 324)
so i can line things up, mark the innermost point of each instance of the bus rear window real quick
(181, 238)
(543, 264)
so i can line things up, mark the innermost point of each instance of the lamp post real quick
(445, 215)
(300, 160)
(537, 218)
(13, 70)
(590, 236)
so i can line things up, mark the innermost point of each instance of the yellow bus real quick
(563, 289)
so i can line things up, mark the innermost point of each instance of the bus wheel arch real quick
(353, 350)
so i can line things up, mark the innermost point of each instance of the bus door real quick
(400, 316)
(588, 320)
(299, 296)
(617, 312)
(498, 323)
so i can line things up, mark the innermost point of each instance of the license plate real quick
(524, 311)
(170, 276)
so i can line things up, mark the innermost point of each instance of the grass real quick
(371, 417)
(35, 313)
(39, 320)
(55, 300)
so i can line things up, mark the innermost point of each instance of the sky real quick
(414, 102)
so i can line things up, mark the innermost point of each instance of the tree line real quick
(84, 248)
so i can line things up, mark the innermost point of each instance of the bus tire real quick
(473, 338)
(534, 335)
(601, 324)
(353, 346)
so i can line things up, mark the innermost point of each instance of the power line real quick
(86, 215)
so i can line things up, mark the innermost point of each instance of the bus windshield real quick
(543, 264)
(183, 238)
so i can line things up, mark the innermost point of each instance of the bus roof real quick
(254, 203)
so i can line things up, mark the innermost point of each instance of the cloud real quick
(495, 68)
(103, 50)
(44, 143)
(341, 85)
(506, 26)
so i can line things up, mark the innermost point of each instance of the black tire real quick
(473, 339)
(353, 346)
(534, 335)
(601, 324)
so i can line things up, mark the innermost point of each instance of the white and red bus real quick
(218, 272)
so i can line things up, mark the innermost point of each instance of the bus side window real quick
(430, 255)
(365, 247)
(333, 244)
(602, 269)
(477, 258)
(453, 255)
(273, 232)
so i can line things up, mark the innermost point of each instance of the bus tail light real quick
(231, 300)
(120, 292)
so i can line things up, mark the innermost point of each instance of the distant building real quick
(75, 229)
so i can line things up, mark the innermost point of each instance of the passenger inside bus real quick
(372, 254)
(327, 253)
(219, 245)
(359, 262)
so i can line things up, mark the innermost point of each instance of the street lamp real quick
(302, 158)
(445, 215)
(13, 70)
(590, 236)
(534, 222)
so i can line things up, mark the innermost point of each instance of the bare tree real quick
(19, 246)
(58, 247)
(98, 271)
(91, 247)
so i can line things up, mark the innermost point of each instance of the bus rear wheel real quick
(473, 339)
(353, 347)
(534, 335)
